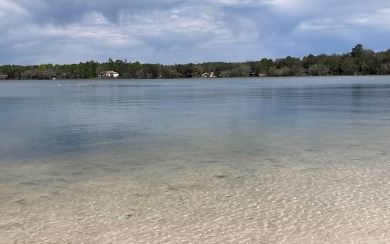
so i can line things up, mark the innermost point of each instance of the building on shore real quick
(208, 75)
(108, 74)
(3, 77)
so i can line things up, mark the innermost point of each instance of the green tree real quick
(357, 51)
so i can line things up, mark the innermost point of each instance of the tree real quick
(357, 51)
(359, 61)
(347, 65)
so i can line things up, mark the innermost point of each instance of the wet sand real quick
(338, 196)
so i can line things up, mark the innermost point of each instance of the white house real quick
(108, 74)
(208, 75)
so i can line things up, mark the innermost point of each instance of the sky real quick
(185, 31)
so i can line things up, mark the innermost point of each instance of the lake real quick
(254, 160)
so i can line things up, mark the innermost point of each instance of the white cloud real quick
(7, 5)
(12, 14)
(176, 31)
(380, 19)
(321, 25)
(294, 7)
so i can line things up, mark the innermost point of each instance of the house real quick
(3, 77)
(208, 75)
(108, 74)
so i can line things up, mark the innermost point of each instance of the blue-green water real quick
(256, 160)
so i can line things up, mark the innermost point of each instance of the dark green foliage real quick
(357, 51)
(359, 61)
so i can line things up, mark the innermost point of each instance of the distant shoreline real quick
(190, 78)
(359, 61)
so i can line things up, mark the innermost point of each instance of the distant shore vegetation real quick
(359, 61)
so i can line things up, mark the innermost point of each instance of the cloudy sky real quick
(184, 31)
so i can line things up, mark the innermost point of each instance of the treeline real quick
(359, 61)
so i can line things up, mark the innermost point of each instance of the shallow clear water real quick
(205, 160)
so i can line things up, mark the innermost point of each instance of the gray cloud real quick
(180, 31)
(68, 11)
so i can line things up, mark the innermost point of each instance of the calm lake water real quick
(41, 119)
(304, 159)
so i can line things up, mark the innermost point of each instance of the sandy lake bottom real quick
(337, 196)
